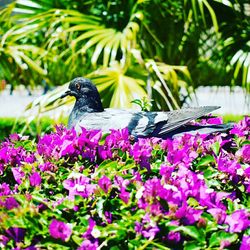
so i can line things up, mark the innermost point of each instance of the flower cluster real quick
(93, 191)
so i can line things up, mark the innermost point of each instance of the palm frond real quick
(170, 79)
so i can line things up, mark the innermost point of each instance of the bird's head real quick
(85, 93)
(81, 87)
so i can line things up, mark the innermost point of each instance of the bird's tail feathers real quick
(180, 117)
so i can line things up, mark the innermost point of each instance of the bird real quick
(88, 112)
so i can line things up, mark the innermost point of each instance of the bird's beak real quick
(68, 92)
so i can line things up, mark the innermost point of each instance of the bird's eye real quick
(78, 86)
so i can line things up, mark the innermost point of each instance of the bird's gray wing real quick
(177, 118)
(141, 124)
(138, 123)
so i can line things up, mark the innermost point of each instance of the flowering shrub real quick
(88, 191)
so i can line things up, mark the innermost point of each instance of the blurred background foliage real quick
(129, 48)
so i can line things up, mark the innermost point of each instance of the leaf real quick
(205, 161)
(216, 148)
(192, 245)
(78, 240)
(217, 237)
(191, 231)
(106, 166)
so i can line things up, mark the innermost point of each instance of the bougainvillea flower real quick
(16, 233)
(244, 153)
(174, 236)
(215, 120)
(124, 195)
(88, 245)
(79, 185)
(245, 243)
(147, 228)
(241, 128)
(18, 174)
(4, 189)
(219, 214)
(60, 230)
(90, 228)
(11, 203)
(47, 166)
(190, 182)
(105, 183)
(237, 221)
(3, 241)
(35, 179)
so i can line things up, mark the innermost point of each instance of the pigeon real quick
(89, 113)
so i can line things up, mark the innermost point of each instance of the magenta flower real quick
(166, 171)
(105, 183)
(18, 174)
(147, 228)
(245, 243)
(218, 214)
(104, 152)
(237, 221)
(67, 148)
(215, 120)
(124, 195)
(79, 185)
(11, 203)
(88, 245)
(242, 128)
(14, 137)
(244, 153)
(141, 152)
(35, 179)
(228, 166)
(247, 172)
(48, 166)
(60, 230)
(174, 236)
(3, 241)
(118, 139)
(188, 215)
(16, 233)
(90, 228)
(4, 189)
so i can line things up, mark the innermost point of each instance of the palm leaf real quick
(169, 81)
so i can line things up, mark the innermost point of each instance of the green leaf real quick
(66, 204)
(78, 240)
(216, 148)
(217, 237)
(191, 231)
(106, 166)
(192, 245)
(205, 161)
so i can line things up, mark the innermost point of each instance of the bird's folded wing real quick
(177, 118)
(141, 124)
(138, 123)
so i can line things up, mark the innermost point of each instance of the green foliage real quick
(232, 118)
(130, 49)
(13, 125)
(81, 191)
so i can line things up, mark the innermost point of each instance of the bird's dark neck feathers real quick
(89, 105)
(82, 106)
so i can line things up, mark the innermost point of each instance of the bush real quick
(70, 191)
(10, 125)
